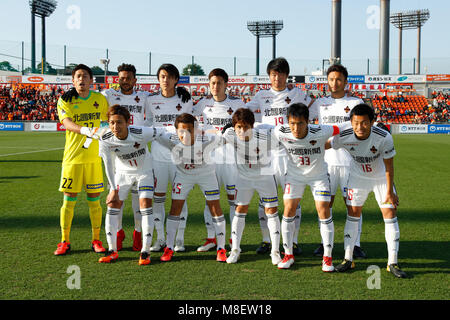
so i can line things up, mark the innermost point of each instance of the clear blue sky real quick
(215, 32)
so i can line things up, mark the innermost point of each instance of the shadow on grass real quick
(18, 178)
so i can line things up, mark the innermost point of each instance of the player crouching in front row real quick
(191, 150)
(127, 164)
(371, 169)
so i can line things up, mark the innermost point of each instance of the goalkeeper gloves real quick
(94, 133)
(69, 95)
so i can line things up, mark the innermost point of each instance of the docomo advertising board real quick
(413, 128)
(43, 126)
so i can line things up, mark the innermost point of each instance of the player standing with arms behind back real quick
(81, 166)
(270, 108)
(335, 110)
(165, 106)
(217, 112)
(136, 103)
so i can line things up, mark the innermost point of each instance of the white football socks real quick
(237, 228)
(111, 227)
(392, 235)
(327, 234)
(211, 233)
(147, 228)
(350, 234)
(171, 230)
(287, 231)
(263, 223)
(159, 215)
(273, 223)
(220, 230)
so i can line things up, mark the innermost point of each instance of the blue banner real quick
(356, 79)
(11, 126)
(183, 79)
(439, 128)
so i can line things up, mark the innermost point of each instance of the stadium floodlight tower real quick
(409, 20)
(105, 62)
(265, 29)
(42, 8)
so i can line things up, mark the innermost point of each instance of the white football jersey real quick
(217, 114)
(332, 111)
(367, 155)
(270, 106)
(136, 104)
(194, 159)
(128, 156)
(252, 157)
(306, 156)
(164, 112)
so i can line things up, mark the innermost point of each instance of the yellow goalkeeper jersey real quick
(87, 112)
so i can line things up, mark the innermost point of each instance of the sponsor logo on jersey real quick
(86, 116)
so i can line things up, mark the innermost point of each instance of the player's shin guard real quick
(287, 231)
(392, 235)
(95, 213)
(298, 220)
(327, 233)
(237, 228)
(219, 226)
(111, 227)
(147, 228)
(350, 234)
(209, 223)
(136, 211)
(159, 215)
(66, 216)
(171, 230)
(273, 223)
(263, 222)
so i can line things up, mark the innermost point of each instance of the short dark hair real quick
(218, 73)
(363, 109)
(338, 68)
(170, 69)
(127, 67)
(298, 110)
(243, 114)
(279, 65)
(82, 67)
(185, 118)
(118, 110)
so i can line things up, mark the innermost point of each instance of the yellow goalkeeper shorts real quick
(76, 176)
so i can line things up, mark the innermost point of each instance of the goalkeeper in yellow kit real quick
(81, 165)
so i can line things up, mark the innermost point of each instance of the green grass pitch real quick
(30, 166)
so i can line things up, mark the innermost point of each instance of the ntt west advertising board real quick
(439, 128)
(11, 126)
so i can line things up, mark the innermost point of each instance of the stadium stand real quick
(20, 102)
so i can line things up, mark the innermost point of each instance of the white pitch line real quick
(14, 154)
